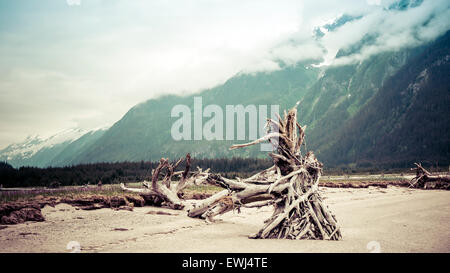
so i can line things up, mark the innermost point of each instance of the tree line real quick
(119, 172)
(125, 172)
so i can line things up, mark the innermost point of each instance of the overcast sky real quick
(64, 64)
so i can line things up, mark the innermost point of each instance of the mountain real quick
(342, 91)
(389, 110)
(339, 104)
(75, 148)
(408, 119)
(144, 133)
(36, 151)
(56, 150)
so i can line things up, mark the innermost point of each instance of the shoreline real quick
(398, 218)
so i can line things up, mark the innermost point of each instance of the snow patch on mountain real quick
(34, 143)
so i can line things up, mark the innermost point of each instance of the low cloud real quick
(390, 29)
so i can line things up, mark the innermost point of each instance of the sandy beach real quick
(392, 219)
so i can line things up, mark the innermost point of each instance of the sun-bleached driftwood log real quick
(290, 186)
(425, 179)
(167, 192)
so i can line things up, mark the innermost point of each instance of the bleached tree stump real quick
(425, 179)
(291, 186)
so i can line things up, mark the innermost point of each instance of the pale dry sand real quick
(395, 219)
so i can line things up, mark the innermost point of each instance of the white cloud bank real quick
(86, 65)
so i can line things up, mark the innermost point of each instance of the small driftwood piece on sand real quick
(426, 180)
(162, 190)
(290, 186)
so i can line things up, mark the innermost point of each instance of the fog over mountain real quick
(103, 57)
(343, 61)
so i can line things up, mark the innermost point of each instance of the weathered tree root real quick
(165, 191)
(291, 186)
(426, 180)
